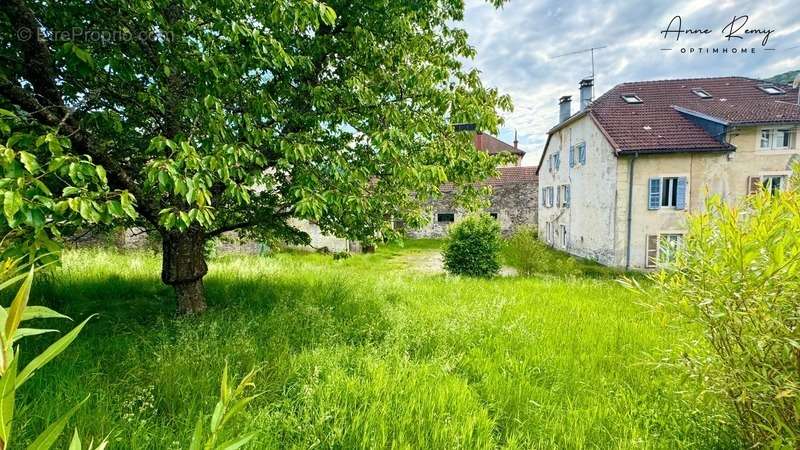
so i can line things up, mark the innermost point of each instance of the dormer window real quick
(631, 98)
(771, 90)
(701, 93)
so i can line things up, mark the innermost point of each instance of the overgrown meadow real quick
(367, 352)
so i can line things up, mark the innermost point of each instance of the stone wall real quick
(514, 204)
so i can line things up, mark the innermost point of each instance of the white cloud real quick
(516, 47)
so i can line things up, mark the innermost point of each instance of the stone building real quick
(513, 201)
(620, 176)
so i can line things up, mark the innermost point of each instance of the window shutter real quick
(753, 185)
(654, 193)
(652, 251)
(572, 156)
(680, 202)
(582, 153)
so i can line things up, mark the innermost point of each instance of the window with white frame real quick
(773, 183)
(667, 192)
(661, 248)
(780, 138)
(547, 194)
(564, 195)
(563, 229)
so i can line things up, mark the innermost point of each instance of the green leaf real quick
(25, 332)
(235, 443)
(327, 14)
(237, 408)
(83, 55)
(216, 417)
(48, 437)
(7, 398)
(41, 312)
(12, 202)
(18, 305)
(75, 444)
(29, 161)
(197, 436)
(51, 352)
(101, 173)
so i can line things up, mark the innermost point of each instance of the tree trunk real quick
(183, 267)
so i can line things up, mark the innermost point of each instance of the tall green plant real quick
(11, 378)
(737, 277)
(232, 401)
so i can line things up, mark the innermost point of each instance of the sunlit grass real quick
(363, 353)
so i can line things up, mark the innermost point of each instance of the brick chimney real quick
(564, 108)
(586, 92)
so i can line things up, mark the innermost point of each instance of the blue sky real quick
(517, 44)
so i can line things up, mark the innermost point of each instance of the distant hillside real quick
(784, 78)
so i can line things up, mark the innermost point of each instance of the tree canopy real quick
(192, 118)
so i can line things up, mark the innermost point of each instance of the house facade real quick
(619, 177)
(513, 201)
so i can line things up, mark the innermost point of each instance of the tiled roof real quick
(492, 145)
(657, 125)
(508, 175)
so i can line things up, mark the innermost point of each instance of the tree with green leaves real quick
(193, 118)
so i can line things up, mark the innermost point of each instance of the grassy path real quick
(364, 353)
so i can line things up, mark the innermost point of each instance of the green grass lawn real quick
(366, 353)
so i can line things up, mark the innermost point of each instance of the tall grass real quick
(362, 353)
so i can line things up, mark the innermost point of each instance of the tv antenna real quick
(590, 50)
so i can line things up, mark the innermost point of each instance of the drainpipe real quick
(630, 212)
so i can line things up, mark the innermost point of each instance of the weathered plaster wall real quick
(708, 174)
(589, 220)
(514, 203)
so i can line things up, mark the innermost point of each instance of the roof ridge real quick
(731, 77)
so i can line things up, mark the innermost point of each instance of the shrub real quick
(528, 255)
(737, 277)
(473, 247)
(524, 252)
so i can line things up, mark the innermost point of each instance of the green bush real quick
(737, 277)
(524, 252)
(528, 255)
(473, 247)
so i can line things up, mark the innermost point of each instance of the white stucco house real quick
(618, 177)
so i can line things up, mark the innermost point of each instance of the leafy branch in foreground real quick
(11, 378)
(736, 277)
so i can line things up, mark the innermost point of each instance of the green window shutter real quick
(654, 193)
(572, 156)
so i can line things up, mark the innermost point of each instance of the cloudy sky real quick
(518, 47)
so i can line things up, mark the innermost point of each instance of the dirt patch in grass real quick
(433, 263)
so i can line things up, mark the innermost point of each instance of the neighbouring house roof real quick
(663, 121)
(493, 146)
(508, 176)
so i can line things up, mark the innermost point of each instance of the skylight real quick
(701, 93)
(771, 90)
(631, 98)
